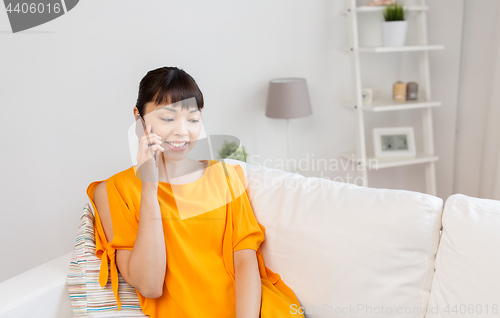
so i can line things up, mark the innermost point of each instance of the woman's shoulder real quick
(236, 170)
(126, 180)
(122, 180)
(125, 176)
(222, 168)
(236, 175)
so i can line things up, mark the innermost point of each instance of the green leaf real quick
(231, 150)
(395, 12)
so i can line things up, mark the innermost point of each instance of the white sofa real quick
(345, 250)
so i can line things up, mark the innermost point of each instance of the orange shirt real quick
(204, 222)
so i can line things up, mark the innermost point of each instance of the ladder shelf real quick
(424, 103)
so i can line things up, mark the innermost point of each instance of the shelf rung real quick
(394, 49)
(388, 49)
(382, 8)
(362, 9)
(391, 105)
(410, 48)
(380, 163)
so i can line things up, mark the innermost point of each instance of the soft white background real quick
(68, 87)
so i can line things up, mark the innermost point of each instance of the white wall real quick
(68, 88)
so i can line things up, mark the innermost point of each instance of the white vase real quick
(394, 33)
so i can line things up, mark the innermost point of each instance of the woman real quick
(182, 232)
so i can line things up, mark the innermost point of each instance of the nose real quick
(180, 128)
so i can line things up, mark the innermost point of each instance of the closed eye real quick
(194, 121)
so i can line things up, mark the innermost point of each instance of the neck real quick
(175, 168)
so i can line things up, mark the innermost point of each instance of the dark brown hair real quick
(167, 81)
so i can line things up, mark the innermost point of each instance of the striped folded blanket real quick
(88, 298)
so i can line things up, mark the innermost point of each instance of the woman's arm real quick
(144, 267)
(247, 284)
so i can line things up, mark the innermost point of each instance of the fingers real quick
(151, 144)
(155, 146)
(156, 149)
(141, 128)
(150, 138)
(146, 131)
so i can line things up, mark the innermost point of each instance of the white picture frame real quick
(393, 142)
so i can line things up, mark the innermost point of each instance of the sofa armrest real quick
(41, 292)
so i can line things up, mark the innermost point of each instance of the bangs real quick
(182, 92)
(168, 86)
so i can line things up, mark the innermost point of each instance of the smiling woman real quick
(190, 248)
(169, 114)
(179, 124)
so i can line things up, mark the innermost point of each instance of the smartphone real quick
(155, 153)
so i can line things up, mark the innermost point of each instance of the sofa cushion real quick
(88, 298)
(346, 250)
(467, 277)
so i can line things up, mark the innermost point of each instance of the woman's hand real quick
(149, 146)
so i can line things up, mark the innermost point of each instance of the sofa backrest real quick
(40, 292)
(467, 278)
(344, 249)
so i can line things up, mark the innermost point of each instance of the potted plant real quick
(232, 151)
(394, 26)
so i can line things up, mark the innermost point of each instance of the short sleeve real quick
(125, 228)
(247, 232)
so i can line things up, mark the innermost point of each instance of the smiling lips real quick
(177, 144)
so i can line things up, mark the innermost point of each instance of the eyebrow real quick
(175, 111)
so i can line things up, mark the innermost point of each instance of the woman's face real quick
(179, 128)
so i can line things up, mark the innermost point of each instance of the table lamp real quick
(288, 98)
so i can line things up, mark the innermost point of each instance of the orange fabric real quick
(199, 280)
